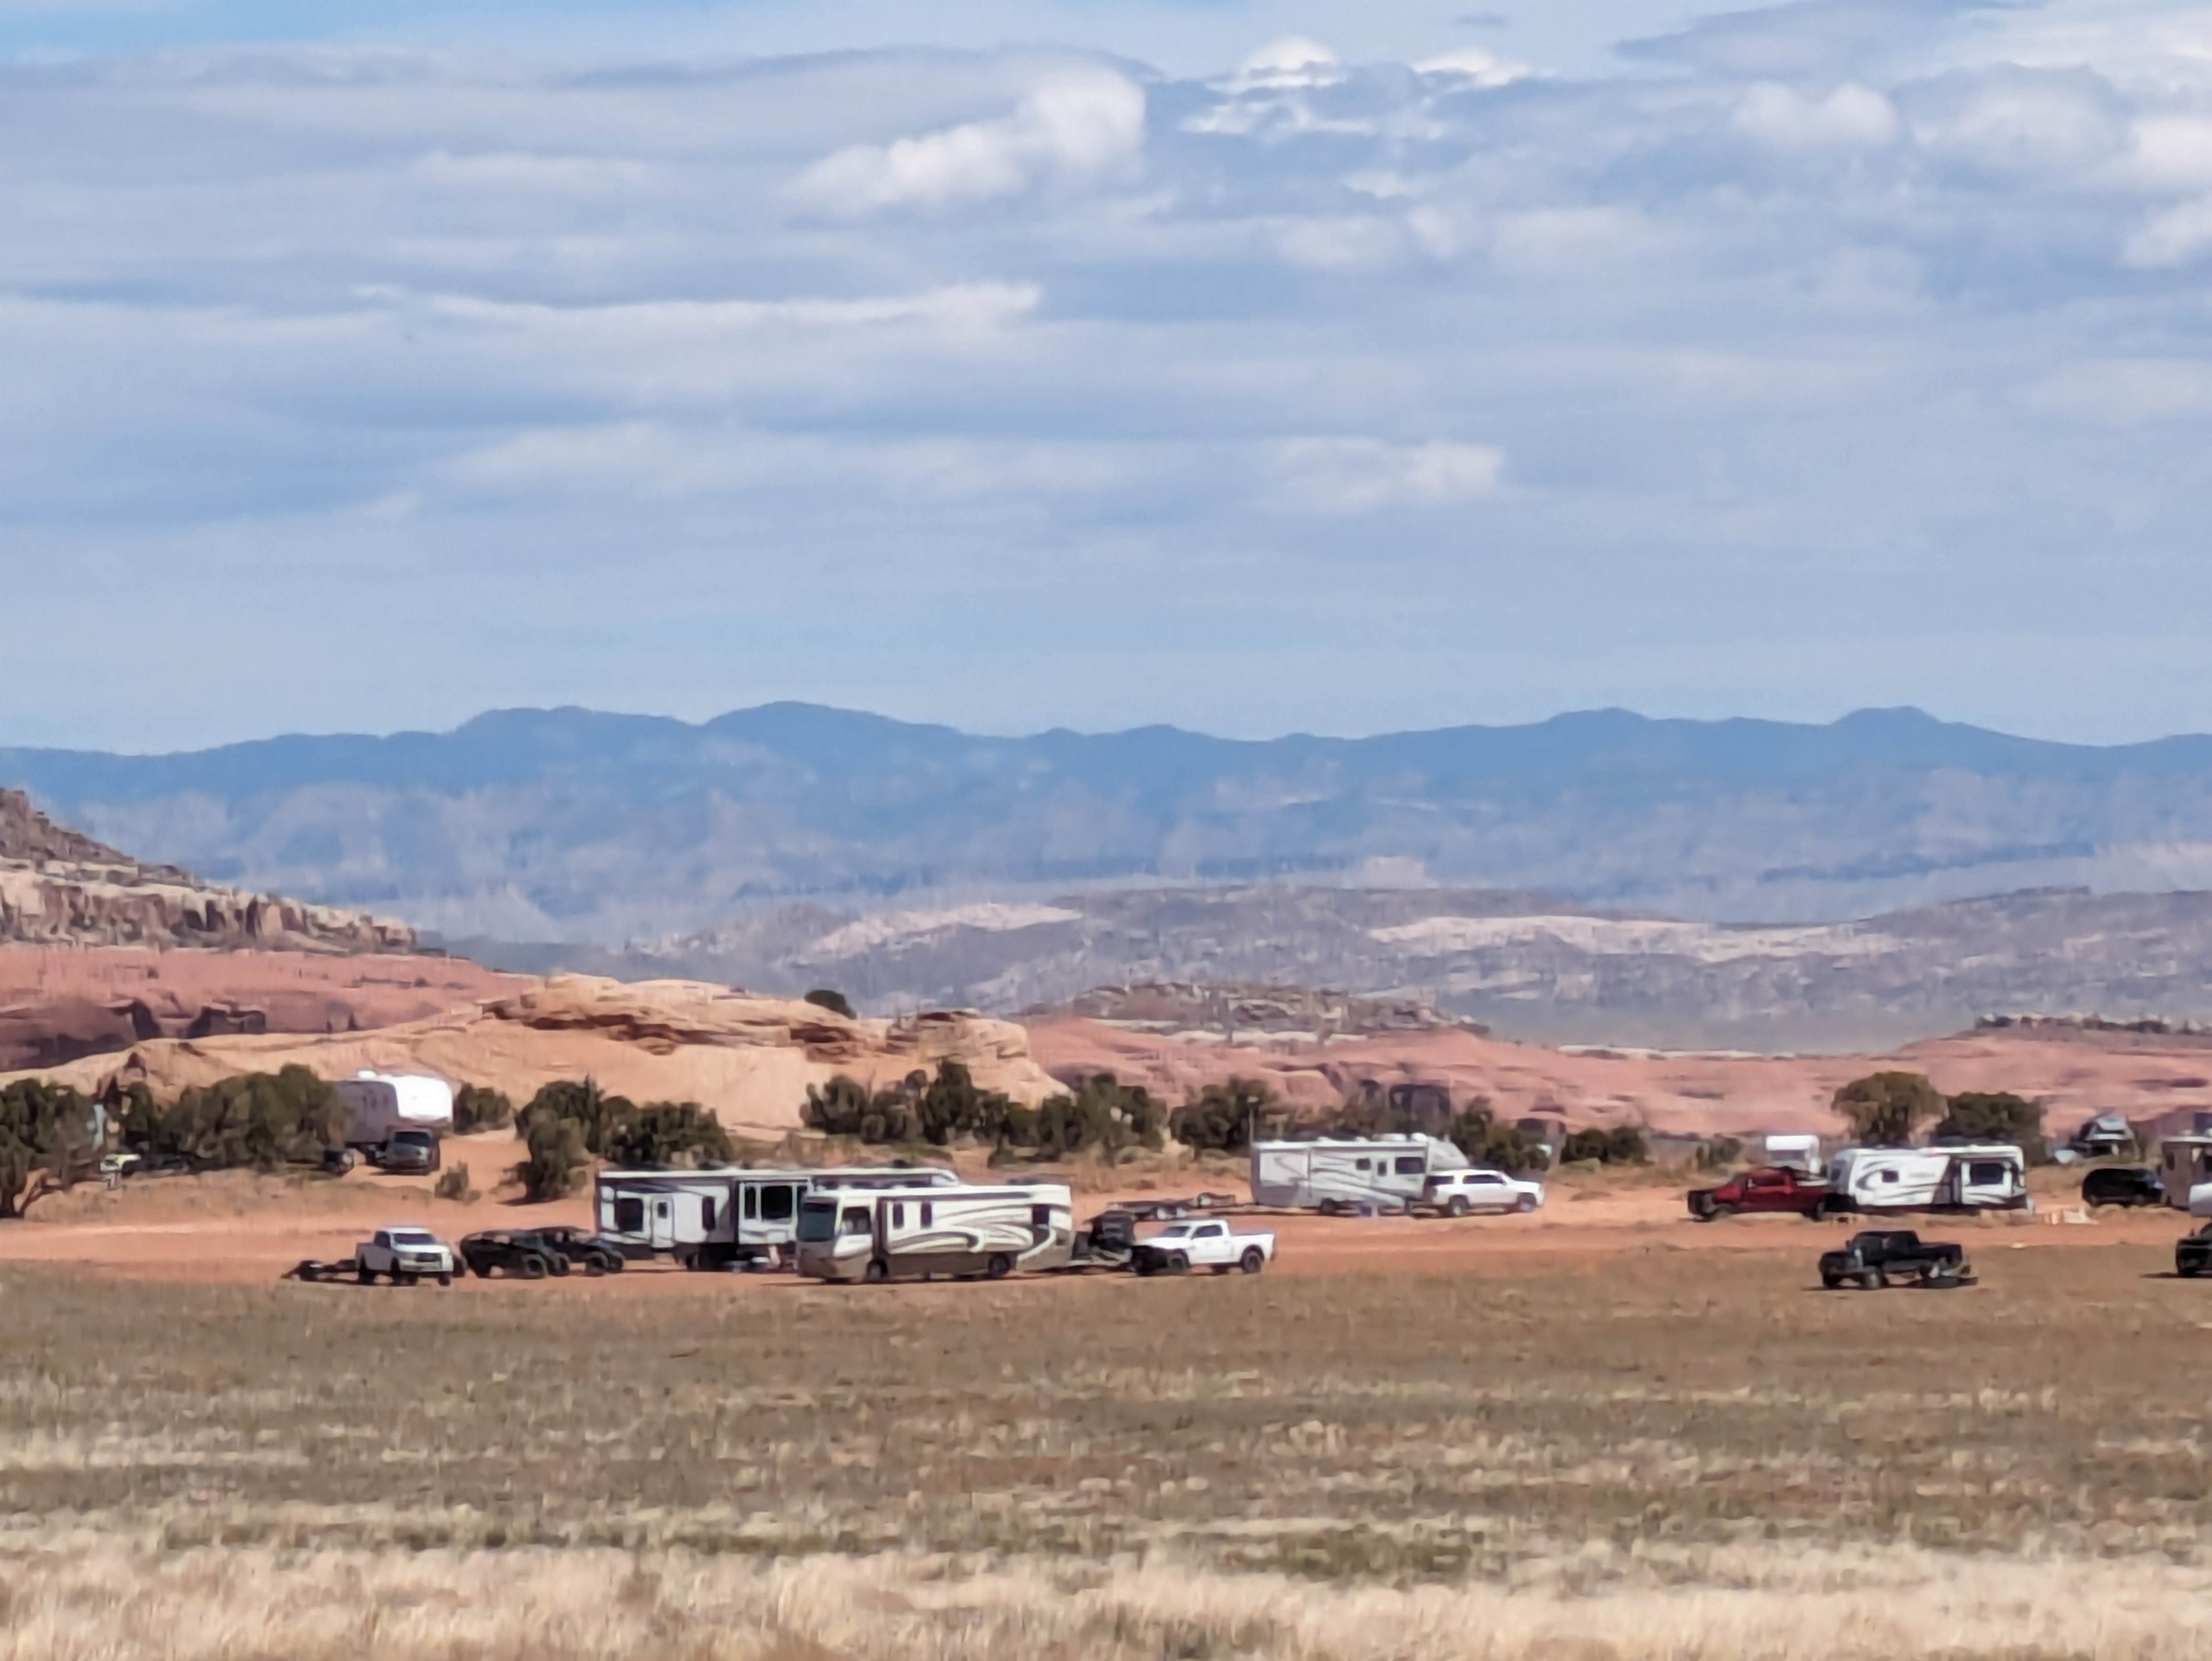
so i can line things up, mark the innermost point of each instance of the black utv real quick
(579, 1248)
(516, 1252)
(1882, 1257)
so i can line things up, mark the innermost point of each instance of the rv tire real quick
(999, 1267)
(877, 1272)
(1253, 1261)
(1459, 1207)
(1327, 1207)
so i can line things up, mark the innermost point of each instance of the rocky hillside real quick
(574, 826)
(59, 887)
(1529, 965)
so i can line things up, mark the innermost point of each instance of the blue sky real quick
(1257, 367)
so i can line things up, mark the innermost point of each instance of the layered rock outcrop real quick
(59, 887)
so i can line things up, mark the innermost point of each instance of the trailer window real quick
(926, 1209)
(898, 1213)
(1040, 1216)
(629, 1215)
(1889, 1176)
(1411, 1165)
(777, 1203)
(1988, 1173)
(1359, 1165)
(752, 1204)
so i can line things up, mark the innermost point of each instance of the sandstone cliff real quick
(61, 888)
(748, 1058)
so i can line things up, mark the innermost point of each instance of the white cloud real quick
(1484, 69)
(1078, 124)
(2176, 237)
(1361, 475)
(1292, 61)
(1850, 117)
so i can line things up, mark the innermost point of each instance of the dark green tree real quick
(668, 1134)
(1985, 1115)
(1884, 1110)
(555, 1159)
(476, 1109)
(1223, 1117)
(45, 1135)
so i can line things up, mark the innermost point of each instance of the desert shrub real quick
(1984, 1116)
(579, 1103)
(1102, 1113)
(1623, 1144)
(264, 1120)
(845, 1107)
(46, 1141)
(476, 1108)
(1885, 1109)
(1717, 1153)
(1223, 1117)
(453, 1183)
(555, 1159)
(829, 998)
(667, 1134)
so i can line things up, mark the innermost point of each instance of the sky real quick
(1255, 365)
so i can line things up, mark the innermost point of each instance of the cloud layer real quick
(1833, 353)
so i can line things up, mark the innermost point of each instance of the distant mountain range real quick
(570, 825)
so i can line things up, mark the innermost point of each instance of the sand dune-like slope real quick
(749, 1058)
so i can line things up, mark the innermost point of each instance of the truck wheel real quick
(1719, 1212)
(406, 1280)
(999, 1267)
(877, 1272)
(1830, 1282)
(1459, 1207)
(1178, 1263)
(2186, 1271)
(445, 1280)
(366, 1276)
(1253, 1261)
(1871, 1280)
(1526, 1202)
(533, 1269)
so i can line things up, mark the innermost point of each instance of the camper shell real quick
(2184, 1163)
(1962, 1176)
(898, 1233)
(726, 1215)
(1354, 1174)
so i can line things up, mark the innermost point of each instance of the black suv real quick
(2123, 1185)
(515, 1252)
(592, 1253)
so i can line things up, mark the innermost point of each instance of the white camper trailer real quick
(894, 1234)
(1968, 1177)
(1337, 1174)
(385, 1102)
(1792, 1151)
(2184, 1163)
(713, 1219)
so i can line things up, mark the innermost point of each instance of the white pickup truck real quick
(404, 1254)
(1180, 1247)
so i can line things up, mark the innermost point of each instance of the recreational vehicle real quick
(2184, 1163)
(713, 1219)
(1966, 1177)
(892, 1233)
(383, 1103)
(1350, 1175)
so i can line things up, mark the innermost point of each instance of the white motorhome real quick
(712, 1218)
(385, 1102)
(2184, 1163)
(1349, 1174)
(892, 1233)
(1977, 1177)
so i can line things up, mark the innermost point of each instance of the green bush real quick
(1885, 1109)
(1719, 1153)
(555, 1159)
(1223, 1118)
(1998, 1115)
(264, 1120)
(1623, 1144)
(45, 1142)
(616, 1130)
(477, 1109)
(453, 1183)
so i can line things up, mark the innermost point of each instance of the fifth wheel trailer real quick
(894, 1234)
(714, 1217)
(385, 1102)
(1350, 1174)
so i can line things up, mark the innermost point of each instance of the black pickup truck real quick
(1881, 1257)
(2192, 1253)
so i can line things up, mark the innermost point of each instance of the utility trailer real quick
(956, 1230)
(1361, 1174)
(728, 1215)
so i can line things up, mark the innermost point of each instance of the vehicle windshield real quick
(412, 1237)
(817, 1222)
(1173, 1231)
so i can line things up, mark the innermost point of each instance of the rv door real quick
(663, 1207)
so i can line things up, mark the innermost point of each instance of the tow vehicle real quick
(1879, 1257)
(1774, 1189)
(403, 1254)
(1180, 1247)
(1461, 1193)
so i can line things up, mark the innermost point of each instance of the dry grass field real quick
(1657, 1453)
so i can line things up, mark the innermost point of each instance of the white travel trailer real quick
(1990, 1177)
(1336, 1174)
(893, 1234)
(385, 1102)
(2184, 1163)
(712, 1218)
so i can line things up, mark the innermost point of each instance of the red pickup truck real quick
(1776, 1189)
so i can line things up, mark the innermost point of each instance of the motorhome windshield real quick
(818, 1221)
